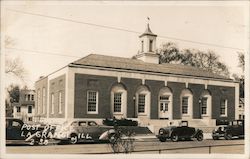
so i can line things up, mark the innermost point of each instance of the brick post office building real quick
(98, 86)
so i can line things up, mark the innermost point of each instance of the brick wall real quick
(103, 85)
(219, 93)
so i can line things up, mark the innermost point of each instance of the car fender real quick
(198, 131)
(105, 135)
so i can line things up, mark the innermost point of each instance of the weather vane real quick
(148, 19)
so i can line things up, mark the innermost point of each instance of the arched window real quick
(143, 101)
(119, 100)
(205, 104)
(165, 103)
(187, 104)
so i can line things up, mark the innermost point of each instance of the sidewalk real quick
(152, 136)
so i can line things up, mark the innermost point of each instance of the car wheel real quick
(215, 138)
(174, 137)
(73, 139)
(228, 136)
(112, 138)
(162, 139)
(199, 137)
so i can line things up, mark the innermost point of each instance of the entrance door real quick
(164, 112)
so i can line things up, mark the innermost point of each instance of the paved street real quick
(146, 146)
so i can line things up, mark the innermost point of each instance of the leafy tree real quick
(241, 78)
(14, 93)
(241, 57)
(209, 61)
(169, 53)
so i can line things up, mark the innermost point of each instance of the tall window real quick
(43, 101)
(18, 109)
(150, 45)
(204, 106)
(164, 100)
(32, 97)
(142, 46)
(141, 103)
(92, 101)
(28, 97)
(29, 109)
(38, 101)
(223, 107)
(52, 103)
(117, 102)
(184, 105)
(60, 102)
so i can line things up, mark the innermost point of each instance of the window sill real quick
(142, 114)
(223, 115)
(117, 113)
(92, 112)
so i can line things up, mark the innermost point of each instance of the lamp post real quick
(200, 107)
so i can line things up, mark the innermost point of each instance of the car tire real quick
(215, 138)
(162, 139)
(174, 137)
(228, 136)
(199, 137)
(73, 139)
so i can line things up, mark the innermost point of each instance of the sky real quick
(49, 35)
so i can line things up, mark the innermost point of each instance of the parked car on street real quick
(176, 133)
(75, 130)
(230, 131)
(18, 132)
(119, 122)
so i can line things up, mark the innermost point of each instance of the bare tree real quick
(15, 67)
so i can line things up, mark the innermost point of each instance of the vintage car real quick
(230, 131)
(74, 131)
(119, 122)
(18, 132)
(176, 133)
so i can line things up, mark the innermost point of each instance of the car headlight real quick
(161, 132)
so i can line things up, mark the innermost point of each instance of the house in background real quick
(241, 114)
(99, 86)
(24, 109)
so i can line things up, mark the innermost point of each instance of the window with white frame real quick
(223, 107)
(60, 102)
(18, 109)
(92, 98)
(29, 109)
(141, 103)
(203, 105)
(52, 103)
(184, 105)
(143, 100)
(117, 102)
